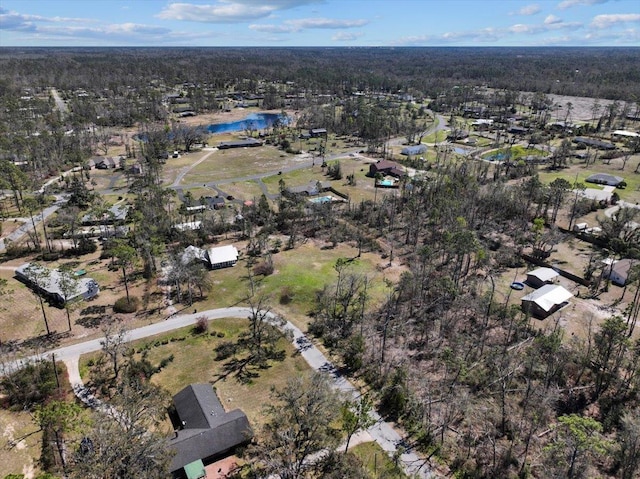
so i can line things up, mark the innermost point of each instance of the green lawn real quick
(377, 462)
(238, 162)
(303, 270)
(438, 136)
(517, 152)
(296, 178)
(194, 361)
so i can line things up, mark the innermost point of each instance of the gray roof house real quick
(312, 188)
(49, 284)
(546, 300)
(205, 431)
(247, 142)
(541, 276)
(619, 272)
(413, 150)
(604, 179)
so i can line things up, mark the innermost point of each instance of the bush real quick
(286, 295)
(122, 305)
(201, 326)
(264, 268)
(225, 350)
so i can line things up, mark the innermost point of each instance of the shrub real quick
(122, 305)
(265, 268)
(201, 326)
(225, 350)
(286, 295)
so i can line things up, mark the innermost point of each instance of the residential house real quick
(541, 276)
(108, 163)
(47, 282)
(222, 256)
(604, 179)
(619, 271)
(599, 144)
(414, 150)
(214, 202)
(189, 226)
(546, 300)
(386, 167)
(192, 253)
(318, 133)
(314, 187)
(247, 142)
(115, 214)
(205, 432)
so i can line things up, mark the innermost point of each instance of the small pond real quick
(255, 121)
(461, 151)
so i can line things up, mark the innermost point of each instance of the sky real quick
(320, 23)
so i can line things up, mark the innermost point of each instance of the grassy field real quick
(631, 193)
(238, 162)
(302, 271)
(194, 362)
(438, 137)
(376, 461)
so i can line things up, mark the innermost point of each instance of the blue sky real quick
(319, 23)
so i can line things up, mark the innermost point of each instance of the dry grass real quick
(21, 444)
(238, 163)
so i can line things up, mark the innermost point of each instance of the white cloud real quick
(609, 20)
(527, 10)
(229, 11)
(574, 3)
(10, 20)
(552, 20)
(297, 25)
(346, 36)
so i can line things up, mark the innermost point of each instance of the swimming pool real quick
(386, 182)
(255, 121)
(321, 199)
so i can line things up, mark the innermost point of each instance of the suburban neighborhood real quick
(289, 276)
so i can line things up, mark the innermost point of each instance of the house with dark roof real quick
(386, 167)
(214, 202)
(599, 144)
(318, 133)
(310, 189)
(204, 432)
(604, 179)
(247, 142)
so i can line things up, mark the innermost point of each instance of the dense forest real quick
(611, 73)
(479, 388)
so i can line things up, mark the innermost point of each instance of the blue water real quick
(321, 199)
(497, 157)
(257, 121)
(461, 151)
(386, 182)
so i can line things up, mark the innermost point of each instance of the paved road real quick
(382, 432)
(28, 226)
(60, 104)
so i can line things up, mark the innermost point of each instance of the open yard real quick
(194, 361)
(631, 193)
(239, 162)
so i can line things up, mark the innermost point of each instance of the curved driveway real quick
(382, 432)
